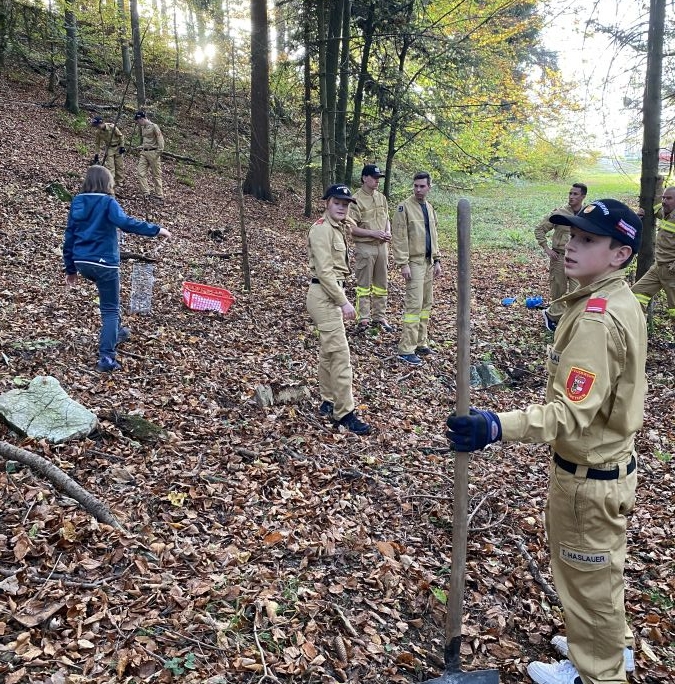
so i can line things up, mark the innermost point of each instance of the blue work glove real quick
(122, 150)
(475, 431)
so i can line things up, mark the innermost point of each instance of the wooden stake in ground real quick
(62, 482)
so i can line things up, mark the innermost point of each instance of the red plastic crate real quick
(206, 297)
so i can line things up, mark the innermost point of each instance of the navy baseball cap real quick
(607, 217)
(339, 191)
(140, 114)
(372, 170)
(96, 121)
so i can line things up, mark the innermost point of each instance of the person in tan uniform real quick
(151, 147)
(559, 283)
(109, 146)
(329, 307)
(595, 405)
(414, 245)
(371, 235)
(661, 275)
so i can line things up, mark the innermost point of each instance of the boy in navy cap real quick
(329, 307)
(595, 405)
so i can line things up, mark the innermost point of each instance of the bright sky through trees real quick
(607, 84)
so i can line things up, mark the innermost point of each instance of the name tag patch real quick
(588, 558)
(578, 384)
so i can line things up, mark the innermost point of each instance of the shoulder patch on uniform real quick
(597, 305)
(578, 384)
(400, 207)
(319, 221)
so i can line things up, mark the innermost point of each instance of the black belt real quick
(148, 149)
(316, 281)
(594, 473)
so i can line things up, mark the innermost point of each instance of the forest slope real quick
(263, 541)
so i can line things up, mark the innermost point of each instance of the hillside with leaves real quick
(264, 545)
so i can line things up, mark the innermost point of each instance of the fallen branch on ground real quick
(62, 482)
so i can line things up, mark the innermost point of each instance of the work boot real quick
(326, 408)
(411, 359)
(424, 351)
(362, 326)
(559, 642)
(107, 365)
(353, 424)
(563, 672)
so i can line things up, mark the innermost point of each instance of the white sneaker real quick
(554, 673)
(559, 642)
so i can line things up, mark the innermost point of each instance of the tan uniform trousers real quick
(335, 369)
(114, 162)
(371, 280)
(419, 296)
(559, 285)
(658, 277)
(150, 160)
(586, 529)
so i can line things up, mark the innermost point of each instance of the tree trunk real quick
(343, 96)
(6, 12)
(395, 113)
(329, 101)
(651, 139)
(245, 265)
(257, 181)
(280, 22)
(368, 32)
(72, 90)
(307, 68)
(138, 54)
(124, 42)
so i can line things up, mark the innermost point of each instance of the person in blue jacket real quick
(91, 248)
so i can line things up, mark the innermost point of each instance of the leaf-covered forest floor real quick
(262, 541)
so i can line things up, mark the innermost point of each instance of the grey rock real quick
(44, 411)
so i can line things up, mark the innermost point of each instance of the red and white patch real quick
(597, 305)
(578, 384)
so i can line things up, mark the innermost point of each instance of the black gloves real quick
(96, 161)
(475, 431)
(122, 150)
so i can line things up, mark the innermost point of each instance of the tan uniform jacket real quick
(328, 256)
(561, 234)
(408, 235)
(371, 212)
(151, 137)
(596, 387)
(109, 137)
(664, 249)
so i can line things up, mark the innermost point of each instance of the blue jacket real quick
(91, 233)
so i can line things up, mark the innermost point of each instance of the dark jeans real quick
(108, 283)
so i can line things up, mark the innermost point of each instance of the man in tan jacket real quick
(329, 307)
(414, 244)
(371, 235)
(109, 146)
(559, 283)
(151, 147)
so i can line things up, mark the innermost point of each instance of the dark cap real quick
(140, 114)
(339, 191)
(96, 121)
(372, 170)
(606, 217)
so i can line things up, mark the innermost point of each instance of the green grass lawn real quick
(504, 216)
